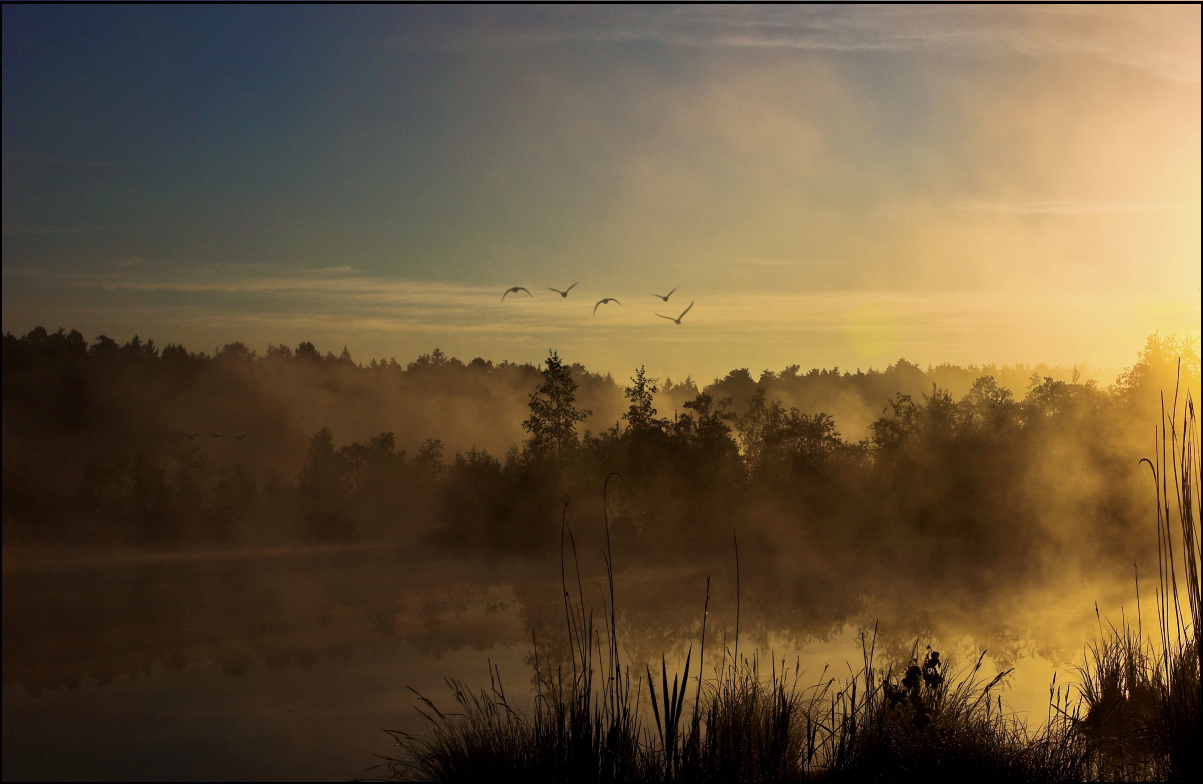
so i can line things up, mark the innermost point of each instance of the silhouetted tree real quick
(553, 419)
(430, 457)
(738, 386)
(236, 353)
(104, 347)
(778, 440)
(988, 406)
(434, 360)
(325, 482)
(1046, 397)
(641, 416)
(890, 433)
(751, 426)
(1157, 370)
(307, 351)
(711, 416)
(136, 350)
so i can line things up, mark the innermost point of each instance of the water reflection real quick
(98, 619)
(289, 663)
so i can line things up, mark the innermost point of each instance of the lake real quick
(288, 663)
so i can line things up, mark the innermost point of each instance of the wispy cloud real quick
(361, 301)
(1068, 206)
(1135, 38)
(381, 316)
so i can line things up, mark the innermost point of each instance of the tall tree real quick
(641, 416)
(552, 423)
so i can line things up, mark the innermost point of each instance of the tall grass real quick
(1136, 714)
(1142, 690)
(744, 723)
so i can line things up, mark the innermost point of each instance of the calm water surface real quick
(289, 663)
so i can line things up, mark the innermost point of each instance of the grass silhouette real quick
(1141, 690)
(745, 724)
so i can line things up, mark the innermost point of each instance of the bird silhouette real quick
(215, 435)
(666, 296)
(601, 302)
(563, 293)
(191, 436)
(678, 318)
(515, 290)
(239, 438)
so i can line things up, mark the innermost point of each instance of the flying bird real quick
(603, 302)
(666, 296)
(215, 435)
(678, 318)
(563, 293)
(239, 438)
(515, 290)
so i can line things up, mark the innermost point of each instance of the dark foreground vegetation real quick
(1134, 713)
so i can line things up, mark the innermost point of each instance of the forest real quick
(961, 482)
(135, 444)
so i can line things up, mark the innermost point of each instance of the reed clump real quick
(932, 723)
(1141, 689)
(742, 723)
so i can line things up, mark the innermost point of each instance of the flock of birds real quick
(600, 302)
(512, 290)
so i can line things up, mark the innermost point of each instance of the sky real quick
(830, 186)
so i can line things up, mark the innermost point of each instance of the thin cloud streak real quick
(723, 331)
(1030, 32)
(363, 301)
(1069, 207)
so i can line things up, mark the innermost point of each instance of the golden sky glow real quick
(832, 186)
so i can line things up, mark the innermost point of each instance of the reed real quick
(931, 722)
(1141, 690)
(745, 724)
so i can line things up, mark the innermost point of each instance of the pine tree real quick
(641, 416)
(553, 418)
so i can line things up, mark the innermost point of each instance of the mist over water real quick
(235, 565)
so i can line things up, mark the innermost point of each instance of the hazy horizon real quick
(831, 186)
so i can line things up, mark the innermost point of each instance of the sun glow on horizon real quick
(988, 184)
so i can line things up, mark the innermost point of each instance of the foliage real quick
(554, 417)
(641, 415)
(130, 442)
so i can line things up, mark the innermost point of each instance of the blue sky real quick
(832, 186)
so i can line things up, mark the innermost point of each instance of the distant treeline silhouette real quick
(969, 491)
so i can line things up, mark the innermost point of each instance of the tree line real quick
(97, 443)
